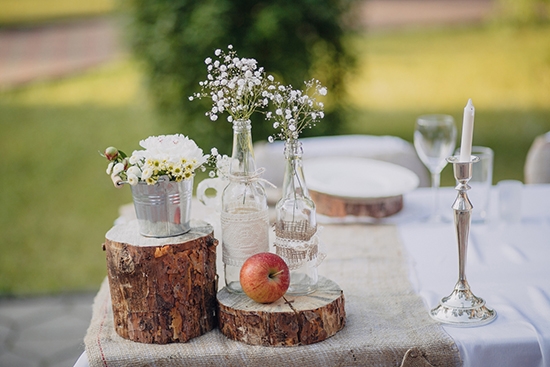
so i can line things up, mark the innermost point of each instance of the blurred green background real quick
(57, 202)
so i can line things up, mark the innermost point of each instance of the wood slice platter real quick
(290, 321)
(334, 206)
(358, 187)
(163, 290)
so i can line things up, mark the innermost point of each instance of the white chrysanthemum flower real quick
(110, 168)
(146, 173)
(132, 179)
(134, 170)
(119, 167)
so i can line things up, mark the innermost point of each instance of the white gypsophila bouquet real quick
(220, 164)
(295, 109)
(173, 156)
(235, 85)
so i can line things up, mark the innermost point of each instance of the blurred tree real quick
(523, 12)
(294, 40)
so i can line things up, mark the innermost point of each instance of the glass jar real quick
(296, 226)
(244, 214)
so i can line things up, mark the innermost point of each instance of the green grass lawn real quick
(57, 202)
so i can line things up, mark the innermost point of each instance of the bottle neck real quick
(294, 183)
(242, 157)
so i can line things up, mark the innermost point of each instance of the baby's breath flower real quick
(295, 109)
(235, 85)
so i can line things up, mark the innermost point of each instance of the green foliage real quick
(523, 12)
(292, 39)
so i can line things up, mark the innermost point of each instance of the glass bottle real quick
(296, 226)
(244, 214)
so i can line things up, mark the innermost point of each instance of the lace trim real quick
(300, 231)
(297, 252)
(245, 232)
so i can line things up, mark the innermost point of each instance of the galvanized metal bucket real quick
(163, 209)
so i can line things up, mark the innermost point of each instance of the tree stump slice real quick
(163, 290)
(335, 206)
(289, 321)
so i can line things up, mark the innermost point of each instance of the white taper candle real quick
(467, 132)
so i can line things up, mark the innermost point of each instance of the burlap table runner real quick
(387, 323)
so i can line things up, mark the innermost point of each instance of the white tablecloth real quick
(507, 266)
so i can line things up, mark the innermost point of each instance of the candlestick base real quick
(462, 308)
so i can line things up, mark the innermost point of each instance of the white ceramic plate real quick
(358, 178)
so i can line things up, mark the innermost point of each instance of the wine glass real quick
(434, 141)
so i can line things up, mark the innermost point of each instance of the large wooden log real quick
(163, 290)
(287, 322)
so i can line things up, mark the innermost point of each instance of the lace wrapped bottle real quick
(244, 215)
(296, 239)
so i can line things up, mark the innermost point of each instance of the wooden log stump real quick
(163, 290)
(287, 322)
(334, 206)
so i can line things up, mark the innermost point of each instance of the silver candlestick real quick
(462, 307)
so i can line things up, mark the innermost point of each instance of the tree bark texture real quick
(163, 290)
(289, 321)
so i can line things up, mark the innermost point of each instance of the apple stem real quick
(275, 274)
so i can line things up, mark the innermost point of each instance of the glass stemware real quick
(434, 141)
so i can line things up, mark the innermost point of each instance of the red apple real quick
(265, 277)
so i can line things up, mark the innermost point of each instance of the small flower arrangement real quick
(295, 109)
(173, 156)
(236, 85)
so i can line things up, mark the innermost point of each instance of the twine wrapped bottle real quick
(296, 240)
(244, 215)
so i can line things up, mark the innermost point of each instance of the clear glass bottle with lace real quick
(244, 214)
(296, 226)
